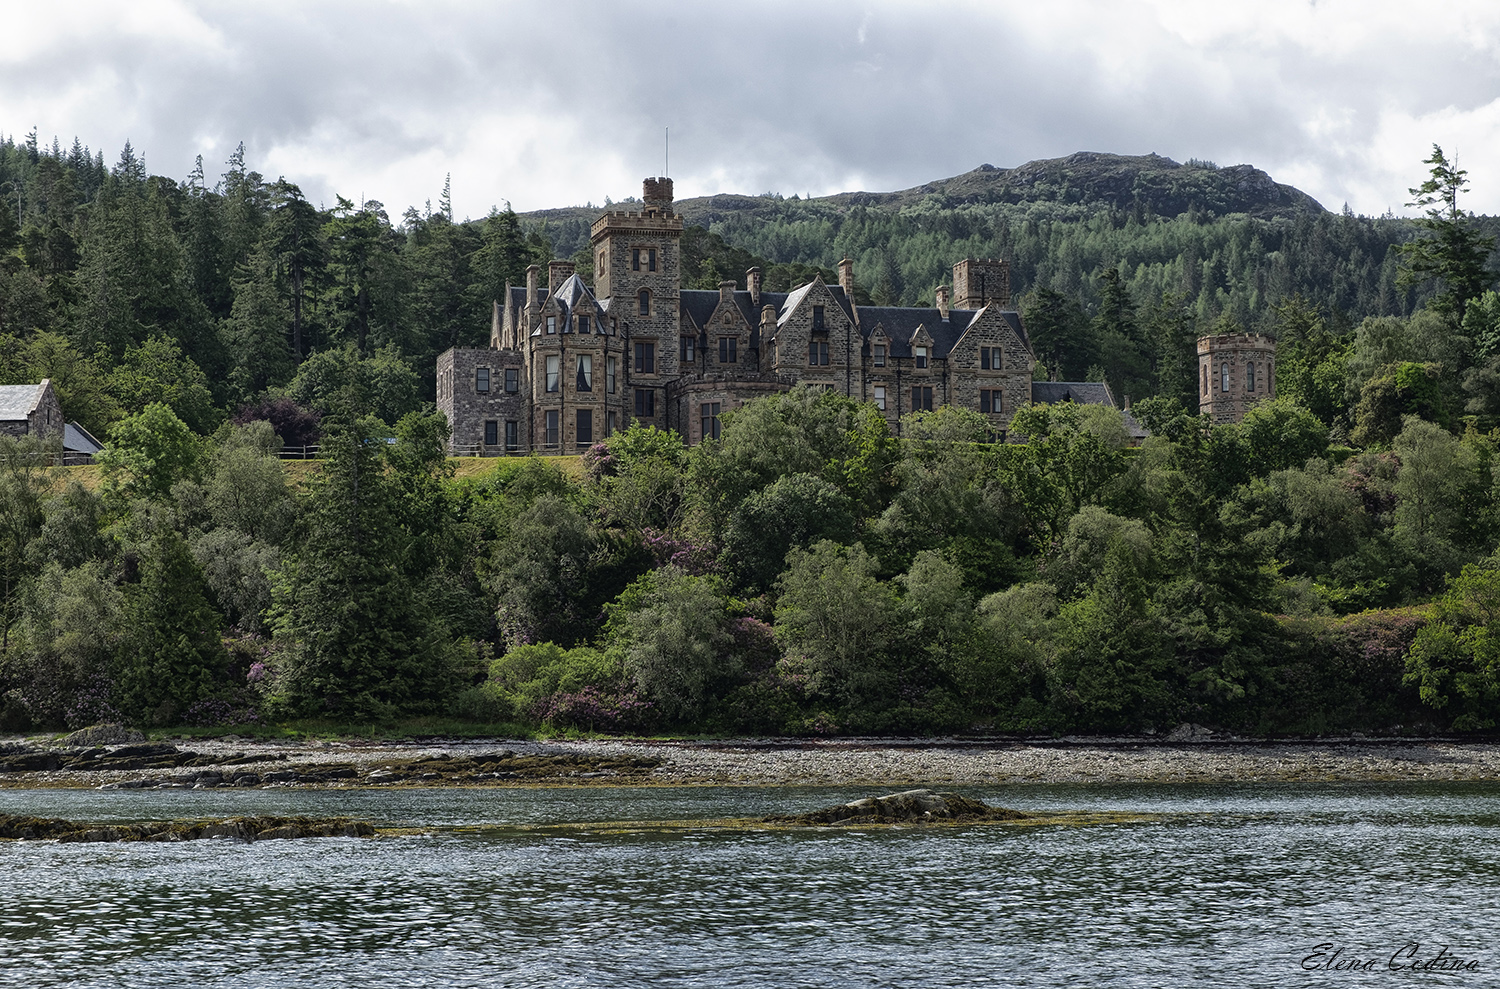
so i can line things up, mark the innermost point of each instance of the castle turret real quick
(977, 283)
(1235, 370)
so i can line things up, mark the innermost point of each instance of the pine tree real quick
(1456, 252)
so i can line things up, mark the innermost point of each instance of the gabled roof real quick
(1081, 392)
(17, 402)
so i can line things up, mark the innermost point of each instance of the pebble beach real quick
(869, 762)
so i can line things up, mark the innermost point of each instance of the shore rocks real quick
(109, 733)
(908, 807)
(240, 828)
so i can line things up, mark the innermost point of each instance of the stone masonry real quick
(1235, 370)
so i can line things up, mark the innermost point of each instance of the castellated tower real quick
(1235, 370)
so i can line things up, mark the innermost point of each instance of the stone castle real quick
(568, 364)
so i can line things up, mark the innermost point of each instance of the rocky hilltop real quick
(1148, 184)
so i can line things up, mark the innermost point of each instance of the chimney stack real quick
(846, 278)
(533, 273)
(752, 282)
(942, 300)
(557, 273)
(726, 292)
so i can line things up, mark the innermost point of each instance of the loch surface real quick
(1227, 885)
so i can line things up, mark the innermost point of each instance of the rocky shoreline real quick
(237, 762)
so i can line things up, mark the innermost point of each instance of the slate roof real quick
(1082, 392)
(76, 439)
(19, 401)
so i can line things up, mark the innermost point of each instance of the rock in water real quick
(908, 807)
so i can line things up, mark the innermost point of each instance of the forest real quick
(1328, 564)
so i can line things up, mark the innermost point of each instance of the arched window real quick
(1250, 376)
(1205, 379)
(645, 301)
(1224, 377)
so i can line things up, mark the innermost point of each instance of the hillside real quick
(1091, 182)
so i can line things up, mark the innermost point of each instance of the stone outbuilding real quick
(30, 410)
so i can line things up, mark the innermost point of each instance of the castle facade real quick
(569, 364)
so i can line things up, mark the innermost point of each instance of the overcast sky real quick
(561, 103)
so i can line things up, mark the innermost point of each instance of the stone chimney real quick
(767, 331)
(942, 300)
(496, 323)
(846, 278)
(557, 273)
(752, 282)
(657, 195)
(726, 293)
(533, 273)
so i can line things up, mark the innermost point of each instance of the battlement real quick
(1235, 341)
(623, 220)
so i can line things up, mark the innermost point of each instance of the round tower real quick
(1235, 370)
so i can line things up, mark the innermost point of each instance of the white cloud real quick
(565, 103)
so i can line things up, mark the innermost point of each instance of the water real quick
(1233, 885)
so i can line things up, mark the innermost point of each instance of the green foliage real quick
(1455, 659)
(172, 656)
(341, 381)
(149, 452)
(1454, 252)
(794, 511)
(834, 619)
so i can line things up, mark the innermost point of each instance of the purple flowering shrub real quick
(593, 709)
(676, 551)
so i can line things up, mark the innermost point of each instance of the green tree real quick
(149, 452)
(173, 657)
(671, 629)
(1454, 252)
(834, 620)
(23, 484)
(1455, 659)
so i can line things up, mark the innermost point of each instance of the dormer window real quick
(818, 325)
(879, 355)
(551, 324)
(919, 356)
(644, 301)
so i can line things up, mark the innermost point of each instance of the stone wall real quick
(845, 344)
(1226, 388)
(468, 409)
(969, 376)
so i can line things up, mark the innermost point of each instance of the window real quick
(645, 403)
(583, 324)
(709, 414)
(482, 380)
(1250, 376)
(880, 397)
(551, 324)
(989, 359)
(818, 325)
(552, 372)
(611, 370)
(1205, 379)
(491, 432)
(921, 398)
(611, 424)
(512, 380)
(727, 348)
(550, 437)
(919, 354)
(991, 401)
(585, 372)
(512, 435)
(879, 359)
(817, 352)
(651, 259)
(645, 358)
(685, 350)
(644, 301)
(1224, 377)
(635, 259)
(585, 426)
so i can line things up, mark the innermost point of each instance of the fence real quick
(298, 453)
